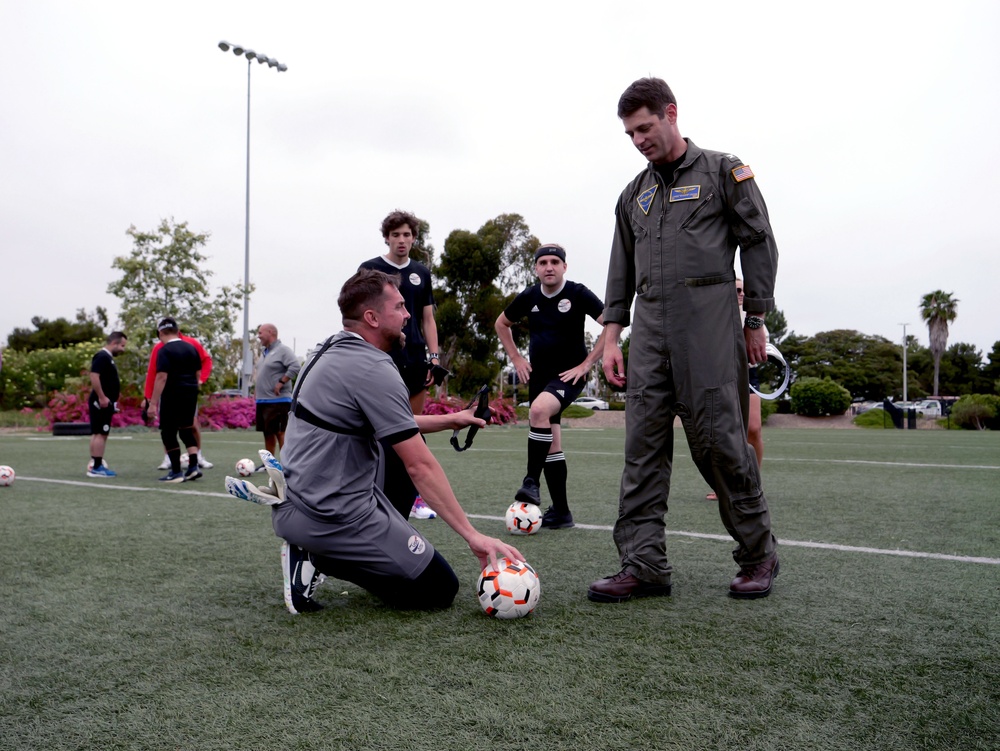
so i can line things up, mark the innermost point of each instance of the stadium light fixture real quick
(247, 369)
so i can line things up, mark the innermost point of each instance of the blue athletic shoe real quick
(301, 579)
(173, 477)
(101, 471)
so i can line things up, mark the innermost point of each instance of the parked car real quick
(591, 402)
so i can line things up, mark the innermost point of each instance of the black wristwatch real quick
(754, 322)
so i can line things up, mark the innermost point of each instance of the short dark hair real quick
(363, 291)
(652, 93)
(115, 336)
(397, 219)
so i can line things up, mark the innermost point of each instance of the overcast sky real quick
(873, 130)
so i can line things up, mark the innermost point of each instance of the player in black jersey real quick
(555, 371)
(400, 230)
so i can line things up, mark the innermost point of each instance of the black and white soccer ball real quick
(523, 518)
(510, 591)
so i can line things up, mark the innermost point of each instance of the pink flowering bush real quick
(221, 412)
(215, 413)
(503, 409)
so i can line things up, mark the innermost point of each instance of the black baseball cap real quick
(551, 250)
(166, 323)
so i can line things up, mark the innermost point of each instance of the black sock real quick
(556, 473)
(539, 443)
(98, 461)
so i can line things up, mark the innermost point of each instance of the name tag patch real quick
(645, 199)
(685, 193)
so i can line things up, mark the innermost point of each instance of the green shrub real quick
(28, 378)
(977, 412)
(815, 397)
(874, 418)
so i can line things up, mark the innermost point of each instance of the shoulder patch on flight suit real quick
(732, 157)
(685, 193)
(742, 173)
(645, 199)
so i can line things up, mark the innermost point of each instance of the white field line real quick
(681, 456)
(597, 527)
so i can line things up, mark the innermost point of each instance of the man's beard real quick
(398, 344)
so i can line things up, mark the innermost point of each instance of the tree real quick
(869, 367)
(509, 237)
(60, 332)
(938, 309)
(991, 371)
(479, 273)
(164, 275)
(777, 326)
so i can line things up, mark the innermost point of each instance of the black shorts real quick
(754, 378)
(415, 377)
(178, 409)
(100, 419)
(272, 417)
(564, 392)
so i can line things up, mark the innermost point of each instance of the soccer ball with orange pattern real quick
(511, 591)
(6, 476)
(523, 518)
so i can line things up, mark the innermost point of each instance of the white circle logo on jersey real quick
(414, 279)
(416, 544)
(564, 305)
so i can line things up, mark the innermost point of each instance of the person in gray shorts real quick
(336, 520)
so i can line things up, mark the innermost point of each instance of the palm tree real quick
(938, 309)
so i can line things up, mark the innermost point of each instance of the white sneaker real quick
(421, 510)
(165, 464)
(203, 462)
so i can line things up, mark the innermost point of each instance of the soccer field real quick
(135, 616)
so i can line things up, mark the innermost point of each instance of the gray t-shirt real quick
(332, 476)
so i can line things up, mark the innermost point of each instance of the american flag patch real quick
(742, 173)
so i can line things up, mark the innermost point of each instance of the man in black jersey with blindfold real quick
(555, 371)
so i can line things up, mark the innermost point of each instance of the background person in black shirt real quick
(103, 401)
(175, 397)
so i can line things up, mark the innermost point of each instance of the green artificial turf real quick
(140, 617)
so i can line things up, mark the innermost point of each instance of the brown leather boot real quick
(625, 586)
(754, 581)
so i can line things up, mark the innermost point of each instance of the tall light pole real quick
(240, 51)
(904, 325)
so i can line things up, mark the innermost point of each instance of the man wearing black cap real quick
(555, 371)
(175, 397)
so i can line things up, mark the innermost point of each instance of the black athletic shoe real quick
(529, 492)
(173, 477)
(553, 519)
(193, 473)
(301, 579)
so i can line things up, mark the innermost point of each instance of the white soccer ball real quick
(510, 592)
(245, 467)
(6, 476)
(523, 518)
(185, 460)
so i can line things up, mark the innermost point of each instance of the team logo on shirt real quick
(416, 544)
(645, 199)
(685, 193)
(564, 305)
(414, 279)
